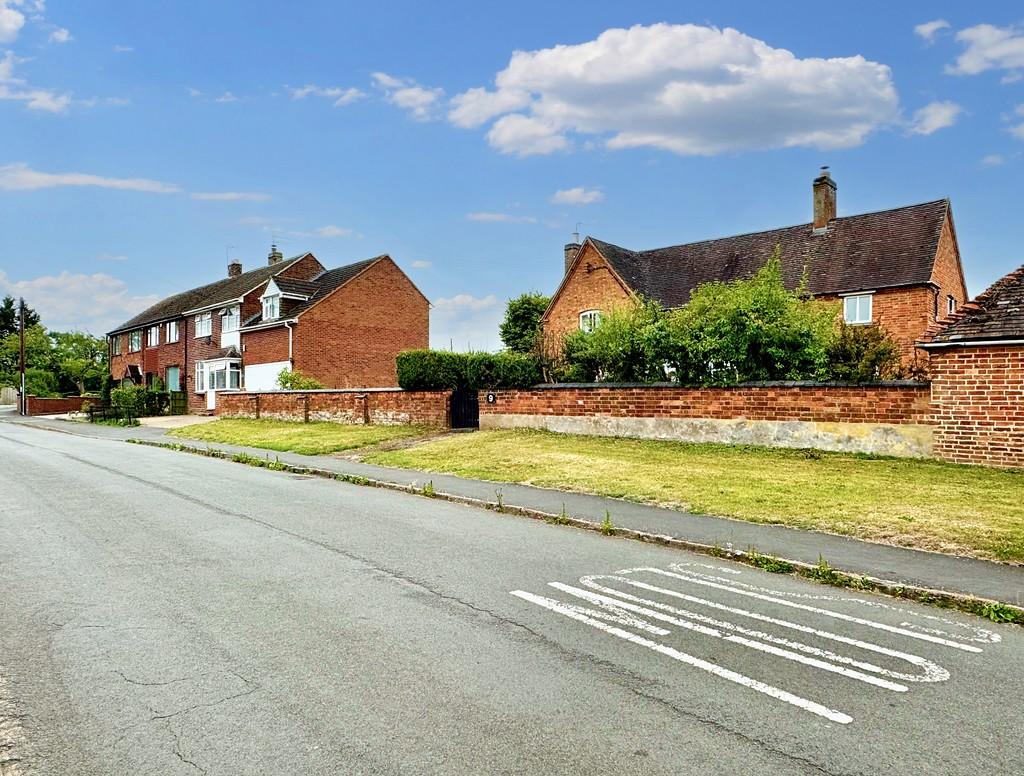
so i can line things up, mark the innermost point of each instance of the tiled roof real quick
(317, 288)
(212, 293)
(293, 286)
(997, 314)
(856, 253)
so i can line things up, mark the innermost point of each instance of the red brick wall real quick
(151, 359)
(591, 286)
(978, 404)
(265, 346)
(36, 405)
(351, 337)
(198, 350)
(354, 406)
(897, 403)
(948, 274)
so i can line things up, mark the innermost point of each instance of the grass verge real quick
(995, 611)
(318, 438)
(963, 510)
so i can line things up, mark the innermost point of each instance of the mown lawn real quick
(304, 438)
(925, 504)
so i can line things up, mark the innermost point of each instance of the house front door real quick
(173, 378)
(211, 399)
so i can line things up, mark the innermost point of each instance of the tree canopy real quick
(521, 328)
(9, 316)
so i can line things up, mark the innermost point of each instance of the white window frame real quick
(153, 337)
(135, 341)
(589, 320)
(854, 307)
(950, 305)
(200, 380)
(115, 345)
(172, 331)
(222, 374)
(271, 307)
(230, 319)
(204, 325)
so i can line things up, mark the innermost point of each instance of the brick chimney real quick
(234, 268)
(570, 254)
(824, 199)
(275, 255)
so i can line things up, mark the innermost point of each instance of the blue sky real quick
(139, 140)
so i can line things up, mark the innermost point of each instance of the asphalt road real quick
(162, 613)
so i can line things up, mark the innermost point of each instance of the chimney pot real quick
(275, 255)
(824, 199)
(234, 268)
(571, 250)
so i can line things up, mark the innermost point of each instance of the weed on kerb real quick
(607, 528)
(428, 490)
(562, 518)
(769, 563)
(499, 505)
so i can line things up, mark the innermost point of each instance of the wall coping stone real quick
(326, 390)
(766, 384)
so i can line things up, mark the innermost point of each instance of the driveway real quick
(163, 613)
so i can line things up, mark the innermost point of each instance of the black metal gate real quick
(465, 409)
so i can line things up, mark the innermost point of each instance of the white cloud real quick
(11, 21)
(503, 218)
(336, 94)
(577, 195)
(255, 221)
(420, 264)
(16, 89)
(934, 116)
(993, 160)
(111, 257)
(95, 303)
(230, 196)
(226, 97)
(929, 30)
(60, 35)
(987, 47)
(332, 231)
(192, 92)
(466, 322)
(420, 101)
(686, 88)
(92, 102)
(20, 177)
(119, 49)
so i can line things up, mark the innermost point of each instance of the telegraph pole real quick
(23, 409)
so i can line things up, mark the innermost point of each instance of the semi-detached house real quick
(899, 269)
(343, 326)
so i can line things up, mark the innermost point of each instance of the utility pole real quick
(23, 409)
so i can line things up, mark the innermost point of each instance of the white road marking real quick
(757, 645)
(932, 671)
(582, 615)
(980, 635)
(730, 588)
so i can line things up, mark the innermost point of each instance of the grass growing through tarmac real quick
(304, 438)
(914, 503)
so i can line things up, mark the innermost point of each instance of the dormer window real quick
(271, 307)
(230, 319)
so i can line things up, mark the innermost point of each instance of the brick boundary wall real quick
(978, 404)
(378, 406)
(42, 405)
(890, 418)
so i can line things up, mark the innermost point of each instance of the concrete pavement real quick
(163, 613)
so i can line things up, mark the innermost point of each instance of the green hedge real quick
(438, 370)
(129, 400)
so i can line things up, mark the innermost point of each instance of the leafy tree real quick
(80, 358)
(863, 354)
(631, 345)
(38, 355)
(751, 330)
(521, 327)
(9, 315)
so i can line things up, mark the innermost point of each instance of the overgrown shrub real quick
(40, 382)
(520, 330)
(129, 400)
(439, 370)
(294, 380)
(863, 354)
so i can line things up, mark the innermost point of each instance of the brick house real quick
(895, 268)
(343, 326)
(977, 371)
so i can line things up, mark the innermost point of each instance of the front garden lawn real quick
(318, 438)
(915, 503)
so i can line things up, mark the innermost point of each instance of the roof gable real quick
(874, 250)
